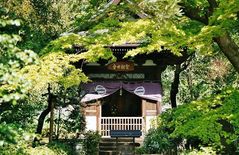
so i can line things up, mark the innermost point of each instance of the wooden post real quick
(144, 115)
(51, 103)
(143, 108)
(98, 116)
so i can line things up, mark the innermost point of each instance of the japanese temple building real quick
(126, 94)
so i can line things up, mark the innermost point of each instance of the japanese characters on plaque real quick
(123, 66)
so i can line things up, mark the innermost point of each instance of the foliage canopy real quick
(208, 122)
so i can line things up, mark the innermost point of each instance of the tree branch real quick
(185, 65)
(212, 5)
(193, 13)
(229, 48)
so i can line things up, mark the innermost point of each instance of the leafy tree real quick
(12, 60)
(174, 25)
(56, 70)
(197, 26)
(75, 123)
(208, 122)
(70, 117)
(177, 24)
(204, 75)
(43, 20)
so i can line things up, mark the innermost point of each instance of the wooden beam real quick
(103, 69)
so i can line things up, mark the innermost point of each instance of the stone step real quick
(108, 148)
(121, 151)
(125, 146)
(137, 140)
(119, 139)
(120, 143)
(108, 152)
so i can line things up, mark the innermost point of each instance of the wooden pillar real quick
(143, 107)
(144, 114)
(158, 107)
(98, 115)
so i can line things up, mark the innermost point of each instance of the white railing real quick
(120, 123)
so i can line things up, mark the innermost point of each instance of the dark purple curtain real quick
(97, 90)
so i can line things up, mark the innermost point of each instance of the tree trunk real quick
(43, 115)
(225, 42)
(230, 49)
(41, 119)
(174, 87)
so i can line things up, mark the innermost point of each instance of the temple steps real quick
(124, 146)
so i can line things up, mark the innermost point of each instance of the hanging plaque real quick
(123, 66)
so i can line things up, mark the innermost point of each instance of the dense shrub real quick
(13, 139)
(75, 122)
(55, 148)
(211, 122)
(157, 140)
(91, 143)
(202, 151)
(17, 141)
